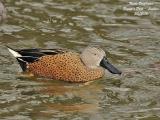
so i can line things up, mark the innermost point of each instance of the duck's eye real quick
(95, 54)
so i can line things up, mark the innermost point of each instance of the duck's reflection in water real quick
(71, 97)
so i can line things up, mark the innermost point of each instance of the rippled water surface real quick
(131, 42)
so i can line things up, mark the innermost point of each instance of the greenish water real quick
(131, 42)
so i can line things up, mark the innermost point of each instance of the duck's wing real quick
(25, 56)
(40, 52)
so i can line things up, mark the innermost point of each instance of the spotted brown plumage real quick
(67, 66)
(64, 65)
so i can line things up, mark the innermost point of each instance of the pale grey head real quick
(94, 57)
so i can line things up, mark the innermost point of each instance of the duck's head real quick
(94, 57)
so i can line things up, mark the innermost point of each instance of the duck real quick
(65, 65)
(2, 12)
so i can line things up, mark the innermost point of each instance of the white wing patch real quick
(14, 53)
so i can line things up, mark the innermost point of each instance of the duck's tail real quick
(14, 52)
(19, 57)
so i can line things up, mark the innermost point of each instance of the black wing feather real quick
(39, 52)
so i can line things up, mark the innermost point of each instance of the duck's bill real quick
(105, 64)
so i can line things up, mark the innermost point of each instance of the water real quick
(131, 43)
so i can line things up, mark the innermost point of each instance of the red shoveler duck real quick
(65, 65)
